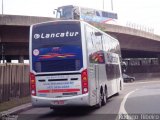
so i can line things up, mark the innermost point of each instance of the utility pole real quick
(111, 5)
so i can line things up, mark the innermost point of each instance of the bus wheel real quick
(105, 96)
(100, 100)
(120, 86)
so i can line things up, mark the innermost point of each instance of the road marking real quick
(146, 82)
(122, 108)
(142, 82)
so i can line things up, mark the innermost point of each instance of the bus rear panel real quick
(57, 73)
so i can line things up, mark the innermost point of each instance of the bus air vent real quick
(57, 80)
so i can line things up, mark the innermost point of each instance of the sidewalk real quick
(145, 76)
(10, 108)
(15, 110)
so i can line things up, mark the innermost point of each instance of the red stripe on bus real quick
(110, 19)
(58, 90)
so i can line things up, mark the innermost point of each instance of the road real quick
(137, 97)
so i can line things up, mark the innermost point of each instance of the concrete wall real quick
(146, 76)
(144, 69)
(14, 81)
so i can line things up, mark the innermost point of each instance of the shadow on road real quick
(71, 111)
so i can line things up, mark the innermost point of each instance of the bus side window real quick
(103, 14)
(97, 13)
(76, 14)
(116, 17)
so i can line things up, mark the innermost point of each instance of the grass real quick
(14, 103)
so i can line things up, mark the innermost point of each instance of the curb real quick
(16, 110)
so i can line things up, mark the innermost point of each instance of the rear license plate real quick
(58, 102)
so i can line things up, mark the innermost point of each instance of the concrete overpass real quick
(134, 43)
(14, 38)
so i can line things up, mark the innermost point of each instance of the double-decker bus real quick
(72, 63)
(86, 14)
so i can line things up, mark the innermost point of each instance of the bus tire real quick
(105, 97)
(99, 104)
(120, 86)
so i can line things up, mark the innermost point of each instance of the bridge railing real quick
(14, 81)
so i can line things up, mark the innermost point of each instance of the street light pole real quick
(103, 4)
(2, 7)
(112, 5)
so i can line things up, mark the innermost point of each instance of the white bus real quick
(72, 63)
(86, 14)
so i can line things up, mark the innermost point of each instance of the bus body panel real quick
(98, 61)
(80, 100)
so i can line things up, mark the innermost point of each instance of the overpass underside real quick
(138, 54)
(14, 43)
(14, 38)
(136, 46)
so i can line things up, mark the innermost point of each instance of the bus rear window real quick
(57, 65)
(57, 47)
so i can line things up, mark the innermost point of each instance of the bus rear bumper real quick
(80, 100)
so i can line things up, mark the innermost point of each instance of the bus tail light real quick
(84, 77)
(33, 84)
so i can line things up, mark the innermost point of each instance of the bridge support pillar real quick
(8, 60)
(2, 52)
(21, 59)
(159, 59)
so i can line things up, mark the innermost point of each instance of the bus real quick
(86, 14)
(72, 63)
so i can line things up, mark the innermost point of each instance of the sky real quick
(142, 14)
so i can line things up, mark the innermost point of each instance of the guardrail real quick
(14, 81)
